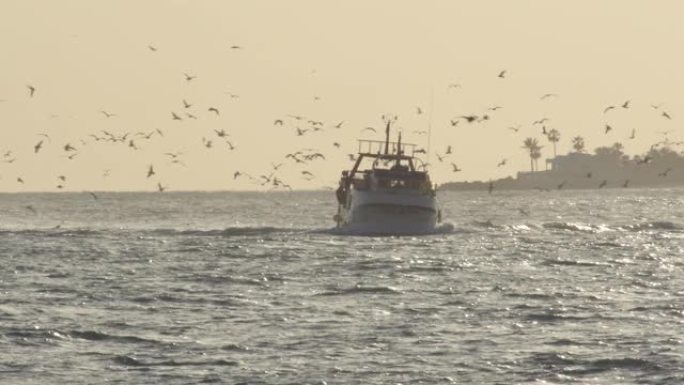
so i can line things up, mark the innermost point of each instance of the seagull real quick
(307, 173)
(502, 163)
(626, 184)
(546, 96)
(20, 180)
(214, 109)
(368, 129)
(665, 114)
(664, 173)
(544, 130)
(502, 74)
(561, 185)
(69, 147)
(161, 188)
(32, 90)
(514, 128)
(150, 171)
(107, 114)
(448, 150)
(540, 121)
(633, 134)
(191, 116)
(92, 194)
(235, 47)
(454, 123)
(603, 184)
(278, 122)
(455, 167)
(221, 133)
(625, 104)
(454, 85)
(469, 118)
(337, 145)
(339, 125)
(175, 117)
(608, 109)
(62, 178)
(230, 145)
(352, 157)
(608, 128)
(186, 104)
(152, 48)
(189, 77)
(494, 108)
(419, 110)
(37, 147)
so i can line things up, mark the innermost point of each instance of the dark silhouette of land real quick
(608, 167)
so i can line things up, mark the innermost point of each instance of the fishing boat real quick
(387, 192)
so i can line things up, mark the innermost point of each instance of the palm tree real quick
(554, 137)
(531, 145)
(578, 144)
(536, 154)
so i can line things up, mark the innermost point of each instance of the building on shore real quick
(608, 167)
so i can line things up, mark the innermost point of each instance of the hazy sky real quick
(349, 61)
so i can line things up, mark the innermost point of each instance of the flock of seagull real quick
(300, 126)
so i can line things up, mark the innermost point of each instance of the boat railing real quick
(377, 147)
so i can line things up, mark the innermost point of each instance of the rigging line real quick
(432, 104)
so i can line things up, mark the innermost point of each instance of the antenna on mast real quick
(432, 103)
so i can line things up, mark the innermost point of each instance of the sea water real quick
(558, 287)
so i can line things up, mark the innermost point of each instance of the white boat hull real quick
(388, 212)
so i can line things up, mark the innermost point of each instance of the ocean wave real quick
(127, 360)
(360, 289)
(578, 227)
(656, 225)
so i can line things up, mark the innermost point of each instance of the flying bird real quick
(666, 115)
(603, 184)
(32, 90)
(502, 163)
(278, 122)
(37, 147)
(633, 134)
(152, 48)
(186, 104)
(189, 77)
(455, 167)
(625, 104)
(175, 117)
(150, 171)
(107, 114)
(502, 74)
(540, 121)
(214, 109)
(546, 96)
(608, 128)
(608, 109)
(368, 129)
(161, 188)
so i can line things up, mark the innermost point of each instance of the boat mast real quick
(387, 130)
